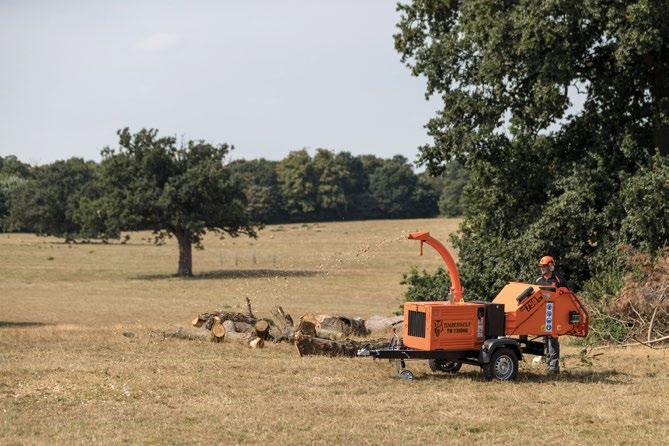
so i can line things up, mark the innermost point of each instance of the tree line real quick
(151, 183)
(339, 186)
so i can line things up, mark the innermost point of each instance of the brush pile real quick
(643, 303)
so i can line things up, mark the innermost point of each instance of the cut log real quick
(306, 328)
(307, 345)
(346, 325)
(231, 333)
(239, 337)
(197, 322)
(218, 330)
(243, 327)
(310, 317)
(256, 343)
(382, 323)
(332, 335)
(229, 326)
(375, 344)
(358, 327)
(226, 316)
(262, 329)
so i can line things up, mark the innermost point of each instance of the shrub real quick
(423, 286)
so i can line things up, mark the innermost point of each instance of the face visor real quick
(546, 267)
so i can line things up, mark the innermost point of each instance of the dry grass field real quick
(68, 375)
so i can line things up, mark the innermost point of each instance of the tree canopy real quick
(13, 175)
(546, 177)
(47, 200)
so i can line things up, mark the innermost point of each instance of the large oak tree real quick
(185, 191)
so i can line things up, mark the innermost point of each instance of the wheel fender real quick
(490, 345)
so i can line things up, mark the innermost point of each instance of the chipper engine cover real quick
(520, 309)
(446, 326)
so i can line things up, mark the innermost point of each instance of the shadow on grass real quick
(579, 376)
(237, 274)
(585, 376)
(9, 324)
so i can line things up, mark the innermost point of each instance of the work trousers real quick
(552, 354)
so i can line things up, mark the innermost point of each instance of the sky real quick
(265, 76)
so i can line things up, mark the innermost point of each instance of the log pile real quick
(240, 327)
(314, 334)
(309, 345)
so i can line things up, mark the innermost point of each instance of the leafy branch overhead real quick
(546, 174)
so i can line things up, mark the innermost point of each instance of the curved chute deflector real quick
(425, 237)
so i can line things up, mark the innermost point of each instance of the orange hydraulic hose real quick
(425, 237)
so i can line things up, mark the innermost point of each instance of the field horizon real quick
(82, 358)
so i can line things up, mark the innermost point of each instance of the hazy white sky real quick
(266, 76)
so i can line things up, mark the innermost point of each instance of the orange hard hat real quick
(546, 260)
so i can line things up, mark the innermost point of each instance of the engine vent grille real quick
(417, 324)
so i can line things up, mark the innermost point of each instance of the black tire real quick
(444, 365)
(503, 365)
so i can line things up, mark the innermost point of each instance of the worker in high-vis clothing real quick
(550, 278)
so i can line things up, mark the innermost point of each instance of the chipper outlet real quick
(493, 335)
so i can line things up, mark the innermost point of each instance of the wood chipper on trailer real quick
(493, 335)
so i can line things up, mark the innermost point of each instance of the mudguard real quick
(490, 345)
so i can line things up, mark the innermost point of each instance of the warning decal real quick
(549, 316)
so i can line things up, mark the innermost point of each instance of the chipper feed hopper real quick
(493, 335)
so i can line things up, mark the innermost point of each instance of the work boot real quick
(554, 373)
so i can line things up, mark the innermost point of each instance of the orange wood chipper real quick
(493, 335)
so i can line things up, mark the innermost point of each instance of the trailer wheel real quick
(503, 365)
(406, 375)
(444, 365)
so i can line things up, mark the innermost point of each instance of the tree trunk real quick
(185, 255)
